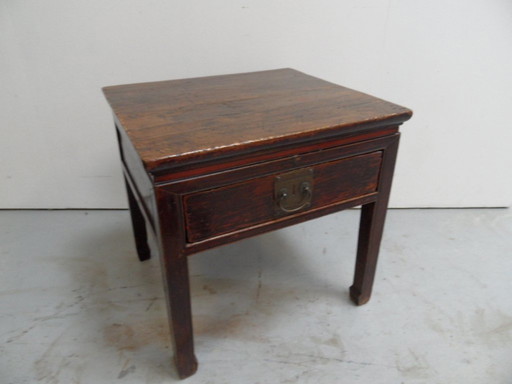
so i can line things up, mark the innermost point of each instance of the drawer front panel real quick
(241, 205)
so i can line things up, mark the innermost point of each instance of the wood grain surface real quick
(192, 120)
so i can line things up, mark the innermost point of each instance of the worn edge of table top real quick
(175, 122)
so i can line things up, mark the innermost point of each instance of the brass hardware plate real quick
(293, 191)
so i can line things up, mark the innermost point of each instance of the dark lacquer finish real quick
(139, 225)
(212, 160)
(370, 231)
(245, 204)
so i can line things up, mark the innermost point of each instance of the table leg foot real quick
(139, 226)
(186, 366)
(356, 296)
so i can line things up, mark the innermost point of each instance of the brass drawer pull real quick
(293, 191)
(304, 202)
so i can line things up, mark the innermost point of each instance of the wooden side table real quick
(212, 160)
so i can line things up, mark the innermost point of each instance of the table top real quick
(192, 120)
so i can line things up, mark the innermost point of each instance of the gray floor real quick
(77, 307)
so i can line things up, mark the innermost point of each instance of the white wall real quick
(448, 61)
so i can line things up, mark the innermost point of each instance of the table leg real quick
(176, 283)
(371, 227)
(139, 225)
(180, 316)
(370, 234)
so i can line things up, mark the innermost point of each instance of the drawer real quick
(264, 199)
